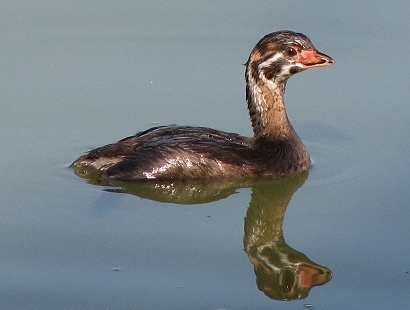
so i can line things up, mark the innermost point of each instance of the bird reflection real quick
(282, 273)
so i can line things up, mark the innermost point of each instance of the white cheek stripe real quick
(267, 63)
(285, 70)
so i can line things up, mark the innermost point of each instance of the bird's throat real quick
(266, 104)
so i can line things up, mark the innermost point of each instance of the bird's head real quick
(279, 55)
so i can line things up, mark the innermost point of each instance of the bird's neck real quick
(266, 105)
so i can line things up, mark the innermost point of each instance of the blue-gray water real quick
(80, 74)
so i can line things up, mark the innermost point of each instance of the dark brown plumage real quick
(184, 152)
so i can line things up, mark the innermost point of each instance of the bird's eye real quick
(290, 51)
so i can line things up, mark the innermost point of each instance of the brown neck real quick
(266, 105)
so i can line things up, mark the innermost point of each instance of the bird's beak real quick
(310, 59)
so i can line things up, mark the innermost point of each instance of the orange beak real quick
(310, 59)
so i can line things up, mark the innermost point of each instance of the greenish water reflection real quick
(282, 273)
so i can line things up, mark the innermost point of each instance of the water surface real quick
(77, 75)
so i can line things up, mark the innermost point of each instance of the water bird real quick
(187, 152)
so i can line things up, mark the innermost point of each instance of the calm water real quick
(76, 75)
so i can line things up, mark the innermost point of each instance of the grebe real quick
(184, 152)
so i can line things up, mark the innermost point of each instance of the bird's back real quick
(184, 152)
(172, 152)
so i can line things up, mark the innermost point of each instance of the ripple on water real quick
(331, 165)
